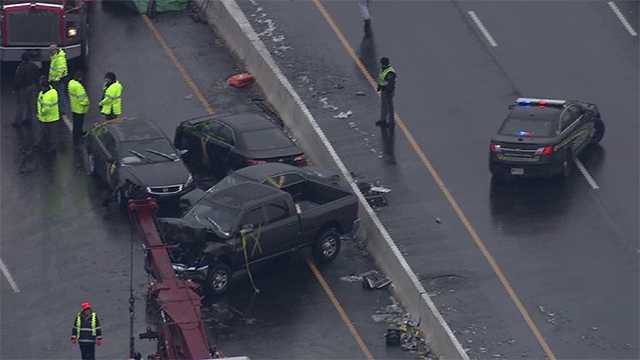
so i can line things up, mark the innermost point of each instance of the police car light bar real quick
(539, 102)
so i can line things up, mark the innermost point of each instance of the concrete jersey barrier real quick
(230, 22)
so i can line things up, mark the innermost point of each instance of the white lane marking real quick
(483, 29)
(586, 175)
(7, 274)
(67, 122)
(622, 19)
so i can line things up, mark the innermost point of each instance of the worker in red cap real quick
(87, 332)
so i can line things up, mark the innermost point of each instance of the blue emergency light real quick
(539, 102)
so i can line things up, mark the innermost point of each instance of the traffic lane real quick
(153, 88)
(419, 219)
(61, 248)
(464, 135)
(292, 318)
(282, 321)
(92, 260)
(591, 58)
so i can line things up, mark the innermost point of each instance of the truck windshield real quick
(210, 214)
(529, 127)
(227, 182)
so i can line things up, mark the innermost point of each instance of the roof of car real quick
(134, 130)
(245, 121)
(262, 171)
(537, 113)
(242, 194)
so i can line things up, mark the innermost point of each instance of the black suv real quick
(541, 137)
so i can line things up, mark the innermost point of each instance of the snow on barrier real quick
(230, 22)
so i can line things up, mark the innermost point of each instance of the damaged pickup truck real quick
(231, 229)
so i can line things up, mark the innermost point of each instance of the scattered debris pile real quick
(402, 331)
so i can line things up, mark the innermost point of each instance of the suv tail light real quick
(546, 151)
(494, 148)
(255, 162)
(300, 160)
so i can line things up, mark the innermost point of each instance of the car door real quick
(254, 242)
(226, 149)
(104, 153)
(282, 226)
(573, 130)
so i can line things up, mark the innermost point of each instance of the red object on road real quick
(181, 333)
(240, 80)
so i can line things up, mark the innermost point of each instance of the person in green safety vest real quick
(79, 104)
(86, 331)
(48, 115)
(387, 88)
(58, 74)
(111, 103)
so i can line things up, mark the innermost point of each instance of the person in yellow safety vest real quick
(386, 87)
(48, 115)
(86, 331)
(58, 74)
(111, 103)
(79, 104)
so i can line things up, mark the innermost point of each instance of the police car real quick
(541, 137)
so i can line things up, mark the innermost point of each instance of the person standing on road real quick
(58, 73)
(25, 84)
(87, 332)
(366, 16)
(79, 105)
(387, 88)
(111, 103)
(48, 115)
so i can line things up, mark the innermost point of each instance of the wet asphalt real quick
(63, 247)
(570, 252)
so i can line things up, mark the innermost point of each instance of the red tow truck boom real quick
(181, 333)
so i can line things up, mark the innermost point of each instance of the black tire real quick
(327, 247)
(218, 279)
(90, 163)
(567, 165)
(599, 129)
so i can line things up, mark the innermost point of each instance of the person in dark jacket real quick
(387, 88)
(86, 332)
(25, 84)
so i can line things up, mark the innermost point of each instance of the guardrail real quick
(226, 17)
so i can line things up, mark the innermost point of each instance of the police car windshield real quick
(532, 127)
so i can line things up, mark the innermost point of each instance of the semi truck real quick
(32, 26)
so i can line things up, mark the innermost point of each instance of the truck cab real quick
(30, 26)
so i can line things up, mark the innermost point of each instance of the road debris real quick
(240, 80)
(375, 198)
(343, 114)
(374, 280)
(360, 93)
(325, 103)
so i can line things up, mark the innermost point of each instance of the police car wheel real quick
(598, 132)
(567, 165)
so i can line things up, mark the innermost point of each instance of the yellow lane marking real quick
(336, 304)
(454, 204)
(209, 108)
(174, 60)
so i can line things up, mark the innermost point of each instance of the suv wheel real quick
(567, 165)
(327, 246)
(598, 132)
(218, 279)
